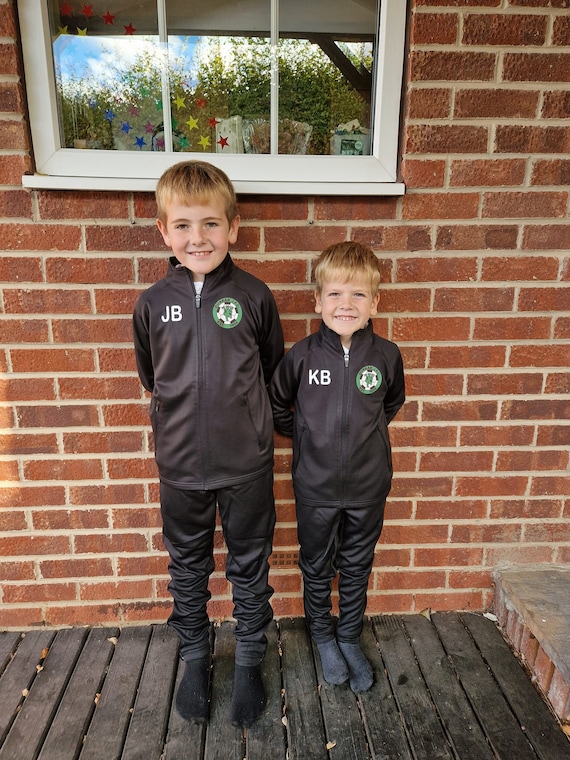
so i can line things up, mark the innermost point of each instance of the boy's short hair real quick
(344, 262)
(193, 182)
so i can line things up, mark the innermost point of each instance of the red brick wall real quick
(475, 291)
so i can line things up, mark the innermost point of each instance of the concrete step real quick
(532, 604)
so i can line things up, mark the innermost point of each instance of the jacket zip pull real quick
(198, 298)
(346, 360)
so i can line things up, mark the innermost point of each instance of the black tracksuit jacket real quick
(342, 407)
(207, 360)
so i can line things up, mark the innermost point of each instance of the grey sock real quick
(335, 669)
(360, 670)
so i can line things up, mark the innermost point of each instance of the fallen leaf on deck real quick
(330, 745)
(426, 613)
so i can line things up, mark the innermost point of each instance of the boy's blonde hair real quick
(191, 182)
(344, 262)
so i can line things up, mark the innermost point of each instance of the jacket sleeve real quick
(143, 352)
(396, 391)
(271, 342)
(282, 392)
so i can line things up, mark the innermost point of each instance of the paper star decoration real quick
(108, 18)
(126, 127)
(204, 141)
(66, 10)
(82, 32)
(180, 102)
(192, 123)
(148, 127)
(129, 29)
(223, 142)
(212, 121)
(201, 103)
(109, 114)
(87, 10)
(62, 30)
(139, 142)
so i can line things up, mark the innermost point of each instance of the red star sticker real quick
(87, 10)
(108, 18)
(66, 10)
(201, 103)
(130, 28)
(212, 121)
(223, 142)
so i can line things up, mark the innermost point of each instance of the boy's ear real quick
(318, 304)
(163, 231)
(234, 227)
(374, 305)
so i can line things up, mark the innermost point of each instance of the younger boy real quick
(207, 340)
(346, 385)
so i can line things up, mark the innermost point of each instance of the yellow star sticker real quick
(180, 102)
(204, 141)
(82, 32)
(192, 123)
(62, 30)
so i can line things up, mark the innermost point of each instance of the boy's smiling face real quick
(199, 235)
(346, 306)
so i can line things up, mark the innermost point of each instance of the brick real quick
(536, 67)
(543, 669)
(526, 461)
(106, 494)
(556, 105)
(14, 136)
(453, 556)
(358, 208)
(470, 579)
(414, 356)
(11, 97)
(39, 592)
(97, 331)
(276, 271)
(126, 415)
(118, 590)
(110, 544)
(426, 138)
(411, 487)
(551, 171)
(500, 384)
(107, 388)
(19, 444)
(503, 29)
(123, 238)
(410, 237)
(279, 208)
(115, 301)
(491, 485)
(309, 238)
(403, 436)
(496, 435)
(538, 409)
(423, 173)
(413, 579)
(455, 461)
(52, 360)
(559, 695)
(548, 485)
(485, 534)
(530, 139)
(431, 328)
(524, 509)
(429, 103)
(11, 171)
(15, 203)
(39, 237)
(546, 237)
(524, 205)
(448, 601)
(430, 65)
(509, 268)
(514, 628)
(63, 469)
(408, 299)
(20, 269)
(487, 172)
(132, 468)
(68, 204)
(544, 299)
(459, 410)
(27, 389)
(473, 299)
(561, 327)
(557, 382)
(467, 356)
(553, 435)
(91, 567)
(551, 355)
(476, 237)
(511, 328)
(24, 331)
(116, 359)
(89, 270)
(17, 571)
(29, 546)
(434, 385)
(434, 29)
(436, 269)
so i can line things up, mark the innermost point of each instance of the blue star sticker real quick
(139, 142)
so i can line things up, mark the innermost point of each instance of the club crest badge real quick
(368, 379)
(227, 313)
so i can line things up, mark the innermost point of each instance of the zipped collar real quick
(328, 337)
(222, 272)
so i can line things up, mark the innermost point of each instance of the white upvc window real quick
(286, 96)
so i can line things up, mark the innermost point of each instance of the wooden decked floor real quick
(446, 687)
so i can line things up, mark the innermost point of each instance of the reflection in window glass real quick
(224, 83)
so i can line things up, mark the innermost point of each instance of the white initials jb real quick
(172, 314)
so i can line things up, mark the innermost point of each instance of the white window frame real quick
(64, 168)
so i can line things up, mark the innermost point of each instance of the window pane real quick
(107, 78)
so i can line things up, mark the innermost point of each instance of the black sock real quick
(359, 669)
(192, 695)
(335, 669)
(248, 697)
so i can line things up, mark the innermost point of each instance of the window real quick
(287, 96)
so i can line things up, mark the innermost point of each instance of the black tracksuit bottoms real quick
(247, 514)
(337, 540)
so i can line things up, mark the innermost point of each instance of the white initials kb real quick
(172, 314)
(319, 377)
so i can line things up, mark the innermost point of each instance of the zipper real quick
(343, 424)
(201, 411)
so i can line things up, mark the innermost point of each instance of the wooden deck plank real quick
(223, 741)
(19, 675)
(525, 701)
(382, 720)
(267, 738)
(31, 724)
(107, 731)
(425, 732)
(305, 729)
(498, 721)
(9, 641)
(151, 710)
(344, 732)
(456, 714)
(65, 736)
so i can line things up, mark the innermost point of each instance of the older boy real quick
(207, 340)
(346, 384)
